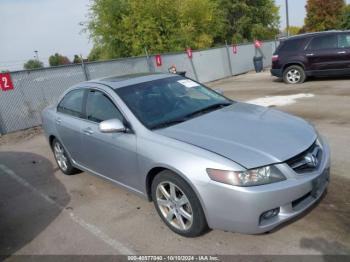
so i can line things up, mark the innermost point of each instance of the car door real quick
(344, 51)
(322, 54)
(112, 155)
(68, 121)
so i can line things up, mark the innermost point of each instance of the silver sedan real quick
(204, 160)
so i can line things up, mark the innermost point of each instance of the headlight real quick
(252, 177)
(319, 141)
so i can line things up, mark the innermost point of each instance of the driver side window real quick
(100, 108)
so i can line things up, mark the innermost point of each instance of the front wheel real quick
(177, 205)
(294, 75)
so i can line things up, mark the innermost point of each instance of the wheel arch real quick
(154, 171)
(293, 63)
(51, 138)
(149, 179)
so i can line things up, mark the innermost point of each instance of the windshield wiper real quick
(191, 115)
(207, 109)
(168, 123)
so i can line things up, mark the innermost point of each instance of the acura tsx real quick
(205, 161)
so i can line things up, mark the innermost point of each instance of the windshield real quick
(169, 101)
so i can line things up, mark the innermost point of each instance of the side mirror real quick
(112, 126)
(219, 91)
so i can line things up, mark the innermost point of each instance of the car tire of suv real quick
(172, 207)
(294, 75)
(62, 159)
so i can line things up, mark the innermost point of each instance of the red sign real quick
(158, 60)
(189, 52)
(234, 48)
(5, 82)
(257, 44)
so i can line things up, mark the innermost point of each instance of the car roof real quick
(311, 34)
(116, 82)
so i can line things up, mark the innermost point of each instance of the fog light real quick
(270, 213)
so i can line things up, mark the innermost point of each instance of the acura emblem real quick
(311, 160)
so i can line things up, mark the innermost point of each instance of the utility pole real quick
(36, 54)
(287, 17)
(84, 68)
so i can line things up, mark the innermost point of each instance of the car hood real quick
(249, 135)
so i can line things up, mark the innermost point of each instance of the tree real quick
(32, 64)
(77, 59)
(323, 15)
(345, 24)
(97, 52)
(294, 30)
(57, 59)
(122, 28)
(246, 20)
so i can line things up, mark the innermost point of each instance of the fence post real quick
(228, 58)
(193, 68)
(2, 127)
(84, 68)
(149, 63)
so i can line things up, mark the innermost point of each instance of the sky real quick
(48, 26)
(53, 26)
(296, 12)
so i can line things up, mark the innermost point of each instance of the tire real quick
(61, 156)
(185, 205)
(294, 75)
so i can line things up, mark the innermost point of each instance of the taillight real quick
(274, 58)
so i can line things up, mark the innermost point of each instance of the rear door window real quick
(344, 40)
(72, 103)
(100, 108)
(324, 42)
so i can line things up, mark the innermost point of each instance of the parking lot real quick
(44, 212)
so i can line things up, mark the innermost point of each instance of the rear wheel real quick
(294, 75)
(62, 158)
(177, 205)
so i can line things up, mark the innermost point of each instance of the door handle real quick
(310, 54)
(88, 131)
(342, 52)
(58, 121)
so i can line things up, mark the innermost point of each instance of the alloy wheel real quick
(293, 76)
(60, 156)
(174, 205)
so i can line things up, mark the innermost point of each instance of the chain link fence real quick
(33, 90)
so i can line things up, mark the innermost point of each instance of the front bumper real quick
(240, 209)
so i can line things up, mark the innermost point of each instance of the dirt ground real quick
(44, 212)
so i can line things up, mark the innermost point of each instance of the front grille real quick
(307, 161)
